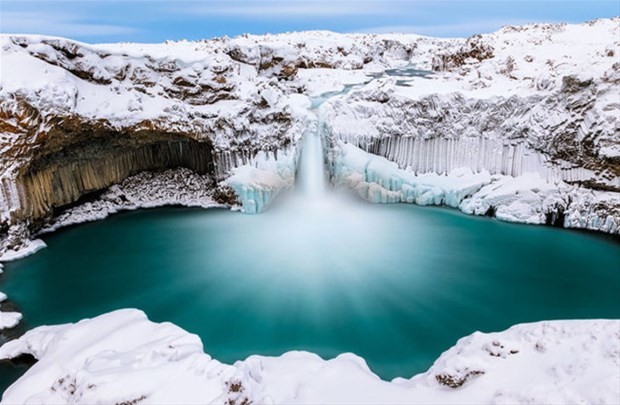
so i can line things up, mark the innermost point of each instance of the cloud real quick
(442, 30)
(54, 23)
(291, 8)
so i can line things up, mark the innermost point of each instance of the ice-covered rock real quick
(257, 183)
(527, 198)
(78, 118)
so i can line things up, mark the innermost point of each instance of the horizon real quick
(108, 21)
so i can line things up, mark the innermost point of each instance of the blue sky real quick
(156, 21)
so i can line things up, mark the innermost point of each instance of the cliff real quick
(76, 119)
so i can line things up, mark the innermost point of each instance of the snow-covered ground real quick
(8, 319)
(122, 357)
(532, 113)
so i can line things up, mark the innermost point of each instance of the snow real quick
(122, 356)
(527, 198)
(524, 117)
(9, 320)
(28, 248)
(505, 115)
(180, 187)
(321, 81)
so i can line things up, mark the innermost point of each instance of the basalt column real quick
(60, 178)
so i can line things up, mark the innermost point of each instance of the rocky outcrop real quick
(62, 180)
(76, 118)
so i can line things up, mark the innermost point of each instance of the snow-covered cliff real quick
(122, 357)
(522, 124)
(531, 112)
(77, 118)
(535, 108)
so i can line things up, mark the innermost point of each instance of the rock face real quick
(76, 118)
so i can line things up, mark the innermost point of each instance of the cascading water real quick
(311, 174)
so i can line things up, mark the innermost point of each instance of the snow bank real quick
(9, 320)
(27, 248)
(122, 357)
(181, 187)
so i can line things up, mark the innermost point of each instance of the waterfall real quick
(311, 179)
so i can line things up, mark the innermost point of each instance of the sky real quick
(159, 20)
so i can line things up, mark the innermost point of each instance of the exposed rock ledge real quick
(122, 357)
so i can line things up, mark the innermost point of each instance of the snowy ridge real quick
(238, 97)
(122, 357)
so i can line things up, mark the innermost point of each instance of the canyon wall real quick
(77, 119)
(538, 119)
(539, 100)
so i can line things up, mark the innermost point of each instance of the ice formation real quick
(534, 107)
(258, 182)
(526, 198)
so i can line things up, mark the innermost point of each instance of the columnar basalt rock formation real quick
(537, 100)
